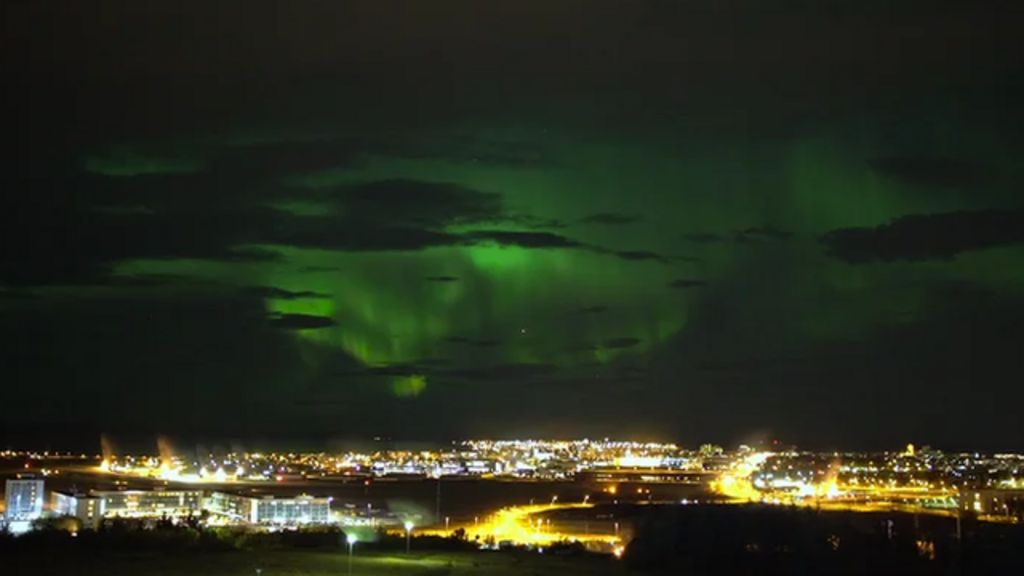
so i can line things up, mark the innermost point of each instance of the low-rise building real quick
(993, 502)
(87, 508)
(268, 510)
(150, 503)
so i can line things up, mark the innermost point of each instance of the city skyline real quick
(352, 487)
(682, 221)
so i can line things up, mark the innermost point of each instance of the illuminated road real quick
(523, 526)
(830, 494)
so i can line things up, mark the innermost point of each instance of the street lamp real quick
(351, 539)
(408, 534)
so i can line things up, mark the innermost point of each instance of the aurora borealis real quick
(687, 220)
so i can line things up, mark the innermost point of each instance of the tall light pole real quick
(351, 539)
(408, 535)
(437, 500)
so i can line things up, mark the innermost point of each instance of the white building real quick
(23, 499)
(293, 511)
(87, 508)
(150, 503)
(269, 510)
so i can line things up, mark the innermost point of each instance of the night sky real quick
(680, 220)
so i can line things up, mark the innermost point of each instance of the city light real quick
(918, 480)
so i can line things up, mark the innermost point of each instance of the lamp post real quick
(351, 539)
(408, 535)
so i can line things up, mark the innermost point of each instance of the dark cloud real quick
(932, 171)
(187, 216)
(281, 293)
(753, 234)
(455, 147)
(686, 283)
(70, 244)
(761, 234)
(479, 343)
(284, 155)
(610, 219)
(704, 237)
(257, 160)
(194, 215)
(247, 254)
(621, 342)
(927, 236)
(395, 370)
(146, 280)
(747, 365)
(522, 239)
(516, 372)
(419, 203)
(300, 322)
(640, 255)
(442, 279)
(434, 361)
(532, 222)
(403, 202)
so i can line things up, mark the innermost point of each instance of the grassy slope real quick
(313, 563)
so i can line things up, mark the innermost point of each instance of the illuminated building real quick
(156, 503)
(231, 506)
(269, 510)
(644, 476)
(86, 507)
(23, 499)
(991, 502)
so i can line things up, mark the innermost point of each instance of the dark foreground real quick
(681, 540)
(308, 563)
